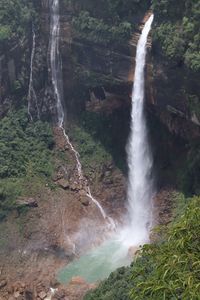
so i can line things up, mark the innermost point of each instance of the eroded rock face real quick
(13, 74)
(173, 95)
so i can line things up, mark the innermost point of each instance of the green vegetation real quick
(117, 286)
(177, 31)
(92, 153)
(15, 16)
(25, 154)
(106, 21)
(168, 269)
(194, 105)
(100, 138)
(95, 30)
(189, 178)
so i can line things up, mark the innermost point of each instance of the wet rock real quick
(42, 295)
(54, 283)
(107, 173)
(82, 193)
(84, 200)
(28, 295)
(108, 181)
(57, 176)
(3, 283)
(63, 183)
(77, 280)
(29, 202)
(59, 295)
(73, 187)
(16, 295)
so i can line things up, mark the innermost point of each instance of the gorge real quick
(99, 143)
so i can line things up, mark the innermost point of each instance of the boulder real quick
(77, 280)
(3, 283)
(42, 295)
(84, 200)
(63, 183)
(73, 187)
(29, 202)
(16, 294)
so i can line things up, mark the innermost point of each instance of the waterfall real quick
(140, 180)
(56, 73)
(32, 98)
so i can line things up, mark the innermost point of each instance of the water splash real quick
(32, 98)
(140, 180)
(119, 249)
(56, 71)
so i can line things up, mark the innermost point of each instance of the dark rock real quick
(63, 183)
(77, 280)
(29, 202)
(76, 187)
(59, 295)
(28, 295)
(84, 200)
(42, 295)
(3, 283)
(57, 176)
(54, 283)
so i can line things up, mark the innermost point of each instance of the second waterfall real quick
(57, 82)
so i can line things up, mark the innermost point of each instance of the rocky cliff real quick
(97, 75)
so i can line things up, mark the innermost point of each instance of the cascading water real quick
(32, 98)
(100, 262)
(56, 73)
(140, 184)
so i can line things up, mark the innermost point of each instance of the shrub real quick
(168, 269)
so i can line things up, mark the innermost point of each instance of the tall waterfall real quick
(56, 73)
(32, 98)
(140, 184)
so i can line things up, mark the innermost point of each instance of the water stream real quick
(140, 179)
(32, 98)
(56, 72)
(101, 261)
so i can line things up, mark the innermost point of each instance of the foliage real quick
(106, 21)
(189, 179)
(111, 10)
(117, 286)
(177, 30)
(15, 15)
(92, 153)
(168, 269)
(95, 30)
(25, 153)
(24, 146)
(105, 131)
(194, 105)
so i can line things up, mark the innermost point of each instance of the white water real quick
(56, 71)
(32, 98)
(101, 261)
(140, 182)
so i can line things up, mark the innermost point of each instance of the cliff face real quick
(98, 75)
(173, 100)
(96, 71)
(13, 74)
